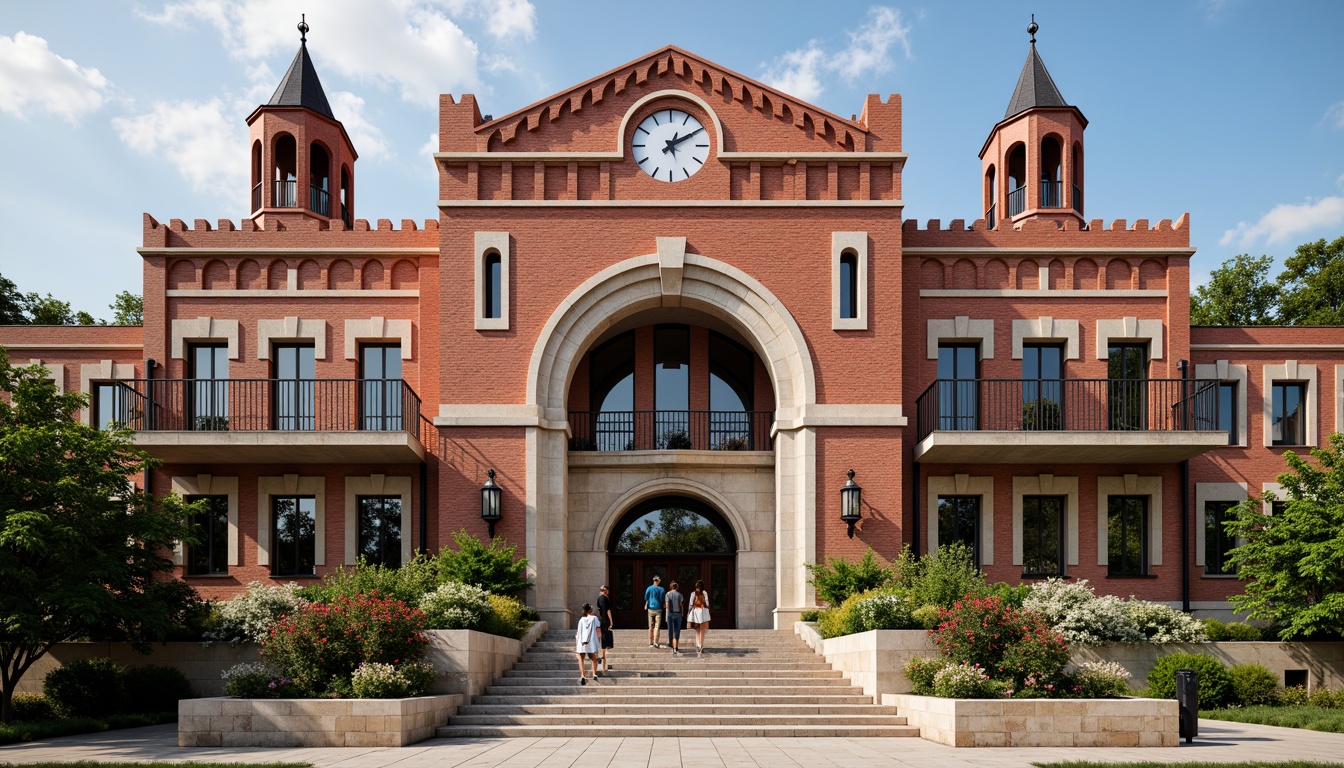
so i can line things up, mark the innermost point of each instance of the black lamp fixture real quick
(851, 500)
(492, 498)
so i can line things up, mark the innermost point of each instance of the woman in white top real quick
(698, 618)
(588, 637)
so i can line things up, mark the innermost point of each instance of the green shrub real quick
(927, 616)
(886, 609)
(1012, 594)
(1102, 680)
(321, 645)
(495, 568)
(85, 688)
(1253, 684)
(32, 706)
(1215, 630)
(505, 618)
(921, 670)
(813, 615)
(843, 619)
(254, 680)
(454, 605)
(940, 579)
(1238, 631)
(964, 681)
(1326, 699)
(1295, 696)
(837, 578)
(388, 681)
(407, 583)
(155, 689)
(1013, 645)
(1160, 623)
(248, 617)
(1215, 684)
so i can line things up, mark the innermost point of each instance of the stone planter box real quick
(229, 722)
(1041, 722)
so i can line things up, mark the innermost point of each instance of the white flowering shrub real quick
(248, 617)
(1083, 618)
(455, 606)
(373, 680)
(889, 610)
(254, 680)
(1102, 680)
(963, 681)
(1161, 623)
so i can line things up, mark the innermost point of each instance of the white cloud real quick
(868, 50)
(369, 141)
(205, 140)
(1335, 115)
(413, 46)
(34, 79)
(1285, 222)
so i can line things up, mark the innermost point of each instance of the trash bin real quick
(1187, 701)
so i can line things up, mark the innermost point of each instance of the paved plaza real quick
(1218, 742)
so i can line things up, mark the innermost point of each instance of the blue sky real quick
(1230, 110)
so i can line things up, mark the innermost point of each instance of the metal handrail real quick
(319, 201)
(990, 216)
(1110, 405)
(285, 194)
(670, 430)
(256, 196)
(1078, 199)
(1052, 194)
(1017, 201)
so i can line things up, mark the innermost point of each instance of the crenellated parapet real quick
(307, 233)
(1048, 234)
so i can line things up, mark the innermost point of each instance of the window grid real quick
(1217, 542)
(210, 528)
(959, 523)
(380, 530)
(1288, 423)
(293, 535)
(1043, 536)
(1127, 535)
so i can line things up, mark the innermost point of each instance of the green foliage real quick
(1312, 284)
(1295, 696)
(408, 583)
(1253, 684)
(127, 309)
(47, 729)
(33, 706)
(1013, 645)
(495, 568)
(386, 681)
(675, 530)
(1215, 683)
(155, 688)
(1012, 594)
(80, 547)
(253, 680)
(506, 618)
(940, 579)
(85, 688)
(813, 615)
(321, 645)
(1239, 292)
(921, 670)
(886, 609)
(927, 616)
(1291, 560)
(837, 578)
(248, 617)
(1326, 699)
(1102, 680)
(1288, 716)
(1218, 631)
(844, 618)
(454, 605)
(964, 681)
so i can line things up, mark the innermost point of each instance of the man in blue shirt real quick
(653, 603)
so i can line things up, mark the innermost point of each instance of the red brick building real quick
(673, 287)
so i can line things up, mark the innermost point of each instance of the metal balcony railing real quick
(319, 201)
(1078, 199)
(285, 194)
(1052, 194)
(1017, 201)
(269, 405)
(669, 430)
(990, 219)
(1106, 405)
(256, 196)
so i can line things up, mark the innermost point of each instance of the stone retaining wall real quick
(228, 722)
(1041, 722)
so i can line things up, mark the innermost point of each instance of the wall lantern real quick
(851, 499)
(492, 497)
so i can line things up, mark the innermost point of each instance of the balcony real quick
(286, 194)
(1017, 201)
(1067, 421)
(319, 201)
(1052, 194)
(260, 421)
(606, 431)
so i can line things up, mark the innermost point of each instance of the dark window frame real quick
(1042, 396)
(116, 403)
(1215, 534)
(380, 506)
(381, 407)
(849, 285)
(958, 396)
(1228, 409)
(209, 391)
(976, 502)
(299, 545)
(1061, 563)
(293, 398)
(1127, 526)
(1278, 390)
(492, 300)
(212, 534)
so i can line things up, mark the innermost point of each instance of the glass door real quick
(380, 387)
(294, 396)
(958, 386)
(1127, 388)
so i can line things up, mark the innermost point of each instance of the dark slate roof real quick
(1035, 88)
(300, 87)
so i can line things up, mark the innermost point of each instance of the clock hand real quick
(672, 145)
(674, 141)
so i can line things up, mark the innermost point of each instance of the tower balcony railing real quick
(1017, 201)
(990, 216)
(1078, 199)
(256, 196)
(347, 218)
(670, 430)
(1052, 194)
(319, 201)
(285, 194)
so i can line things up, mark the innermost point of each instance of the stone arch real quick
(671, 486)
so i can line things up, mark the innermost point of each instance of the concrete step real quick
(611, 697)
(689, 672)
(670, 692)
(602, 707)
(668, 661)
(685, 719)
(679, 682)
(698, 730)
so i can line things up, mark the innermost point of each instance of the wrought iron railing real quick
(347, 218)
(269, 405)
(1125, 405)
(285, 194)
(669, 430)
(1078, 199)
(319, 201)
(990, 216)
(256, 196)
(1052, 194)
(1017, 201)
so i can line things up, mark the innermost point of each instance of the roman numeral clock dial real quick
(670, 145)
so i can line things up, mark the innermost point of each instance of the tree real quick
(1312, 284)
(12, 303)
(491, 568)
(1290, 561)
(82, 552)
(676, 530)
(127, 309)
(1238, 293)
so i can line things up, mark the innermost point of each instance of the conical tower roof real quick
(300, 86)
(1035, 87)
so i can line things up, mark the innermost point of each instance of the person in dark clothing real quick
(604, 616)
(674, 602)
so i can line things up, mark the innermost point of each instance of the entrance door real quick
(678, 539)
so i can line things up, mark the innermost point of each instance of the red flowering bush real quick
(321, 645)
(1016, 647)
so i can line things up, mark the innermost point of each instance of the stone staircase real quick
(747, 683)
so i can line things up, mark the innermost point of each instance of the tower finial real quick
(303, 27)
(1032, 27)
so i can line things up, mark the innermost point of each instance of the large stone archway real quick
(670, 277)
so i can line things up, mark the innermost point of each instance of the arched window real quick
(494, 295)
(991, 196)
(319, 180)
(1017, 179)
(285, 194)
(256, 176)
(849, 285)
(1077, 175)
(347, 212)
(611, 376)
(672, 525)
(1052, 194)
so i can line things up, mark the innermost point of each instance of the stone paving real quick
(1218, 742)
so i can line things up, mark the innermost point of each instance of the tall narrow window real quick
(494, 286)
(210, 528)
(1217, 541)
(1227, 411)
(1127, 390)
(380, 387)
(849, 285)
(1042, 536)
(380, 530)
(958, 387)
(730, 395)
(1017, 180)
(1127, 535)
(293, 535)
(959, 523)
(1288, 426)
(109, 405)
(672, 386)
(294, 394)
(209, 392)
(1042, 386)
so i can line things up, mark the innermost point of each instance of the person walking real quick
(587, 637)
(604, 616)
(699, 616)
(674, 601)
(653, 603)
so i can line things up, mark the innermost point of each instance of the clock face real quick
(670, 145)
